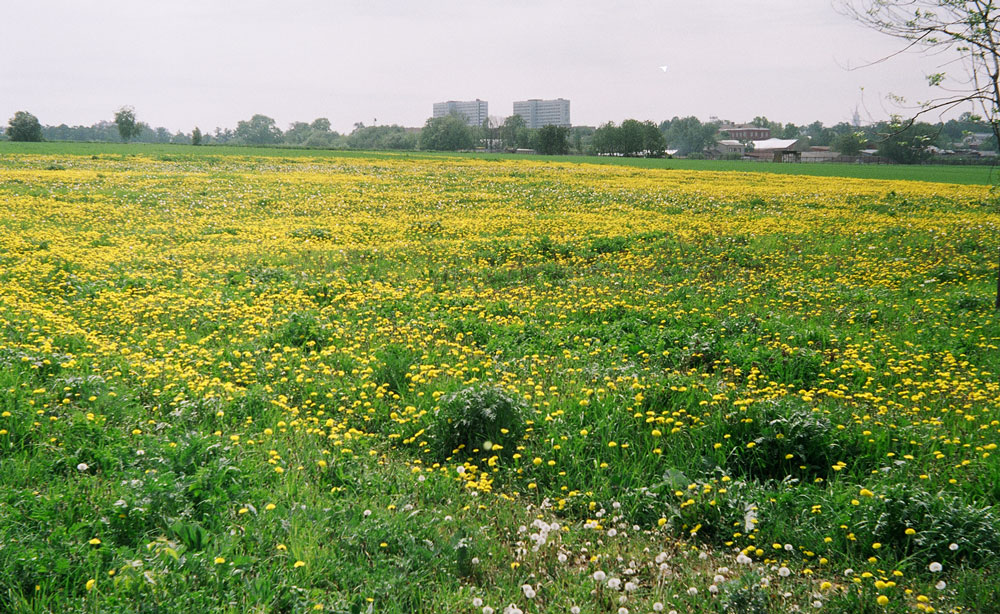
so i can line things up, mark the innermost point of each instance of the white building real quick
(475, 111)
(537, 113)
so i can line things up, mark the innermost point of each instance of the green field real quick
(977, 175)
(240, 380)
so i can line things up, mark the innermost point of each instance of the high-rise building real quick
(538, 113)
(475, 111)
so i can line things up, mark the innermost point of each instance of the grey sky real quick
(212, 63)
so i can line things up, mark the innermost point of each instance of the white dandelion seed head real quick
(82, 467)
(784, 572)
(477, 602)
(692, 591)
(600, 576)
(713, 589)
(935, 567)
(940, 585)
(657, 607)
(953, 546)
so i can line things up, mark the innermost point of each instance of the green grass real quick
(249, 384)
(960, 174)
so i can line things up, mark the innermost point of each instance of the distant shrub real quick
(939, 521)
(781, 428)
(301, 330)
(394, 363)
(314, 234)
(477, 417)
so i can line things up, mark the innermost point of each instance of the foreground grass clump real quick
(238, 383)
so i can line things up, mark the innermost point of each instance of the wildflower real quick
(935, 567)
(940, 585)
(599, 576)
(82, 467)
(784, 572)
(477, 602)
(90, 584)
(298, 564)
(219, 560)
(94, 542)
(882, 600)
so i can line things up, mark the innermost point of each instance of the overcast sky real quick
(211, 63)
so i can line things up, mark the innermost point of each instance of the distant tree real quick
(631, 137)
(24, 127)
(819, 134)
(790, 131)
(514, 133)
(448, 133)
(127, 126)
(653, 143)
(608, 140)
(382, 137)
(320, 124)
(553, 140)
(849, 144)
(297, 133)
(582, 137)
(259, 130)
(689, 135)
(907, 145)
(196, 136)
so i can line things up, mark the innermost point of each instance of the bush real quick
(939, 522)
(477, 417)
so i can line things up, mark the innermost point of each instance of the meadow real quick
(290, 382)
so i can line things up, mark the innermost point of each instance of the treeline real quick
(687, 136)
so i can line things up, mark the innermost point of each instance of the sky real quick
(210, 63)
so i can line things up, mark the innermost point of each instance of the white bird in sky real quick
(663, 68)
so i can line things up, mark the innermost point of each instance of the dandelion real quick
(784, 572)
(90, 584)
(935, 567)
(940, 585)
(219, 560)
(94, 542)
(477, 602)
(657, 607)
(882, 600)
(299, 564)
(82, 467)
(599, 576)
(953, 546)
(692, 591)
